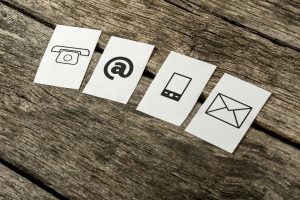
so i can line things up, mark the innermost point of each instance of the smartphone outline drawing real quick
(171, 94)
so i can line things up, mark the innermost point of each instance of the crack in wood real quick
(236, 23)
(32, 179)
(28, 14)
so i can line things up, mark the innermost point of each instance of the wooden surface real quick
(83, 147)
(233, 49)
(276, 20)
(14, 186)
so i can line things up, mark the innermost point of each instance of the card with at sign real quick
(228, 112)
(119, 69)
(176, 88)
(67, 56)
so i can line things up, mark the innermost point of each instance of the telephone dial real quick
(69, 55)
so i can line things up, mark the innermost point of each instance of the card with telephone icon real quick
(67, 56)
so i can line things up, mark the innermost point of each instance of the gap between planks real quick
(226, 19)
(32, 179)
(246, 28)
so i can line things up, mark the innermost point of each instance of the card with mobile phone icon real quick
(176, 88)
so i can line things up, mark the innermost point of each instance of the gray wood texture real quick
(90, 148)
(277, 20)
(233, 49)
(13, 186)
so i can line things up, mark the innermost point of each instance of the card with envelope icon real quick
(228, 112)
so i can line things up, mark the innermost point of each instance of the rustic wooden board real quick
(87, 147)
(277, 20)
(14, 186)
(233, 49)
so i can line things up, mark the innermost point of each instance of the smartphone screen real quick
(176, 86)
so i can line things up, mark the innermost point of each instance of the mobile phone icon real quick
(176, 86)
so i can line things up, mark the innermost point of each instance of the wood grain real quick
(14, 186)
(90, 148)
(203, 36)
(277, 20)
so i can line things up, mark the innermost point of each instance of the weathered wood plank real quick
(13, 186)
(203, 36)
(277, 20)
(87, 147)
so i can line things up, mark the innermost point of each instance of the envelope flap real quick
(233, 104)
(218, 103)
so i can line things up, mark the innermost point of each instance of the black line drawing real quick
(69, 55)
(121, 64)
(176, 86)
(228, 110)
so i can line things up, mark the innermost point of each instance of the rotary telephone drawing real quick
(69, 55)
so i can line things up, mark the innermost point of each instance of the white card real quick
(228, 112)
(67, 56)
(119, 69)
(176, 88)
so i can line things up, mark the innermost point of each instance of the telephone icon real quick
(69, 55)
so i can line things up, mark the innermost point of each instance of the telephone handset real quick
(69, 55)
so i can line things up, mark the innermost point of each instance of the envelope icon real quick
(228, 110)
